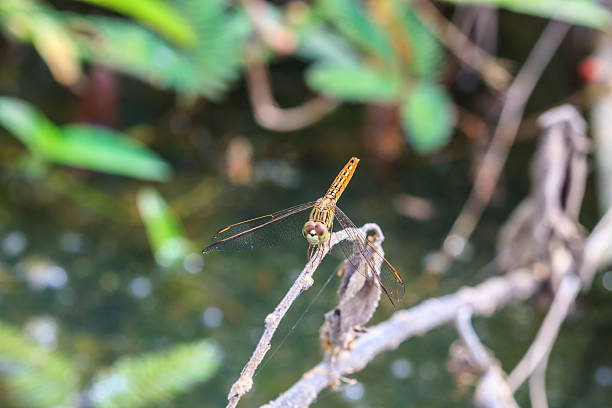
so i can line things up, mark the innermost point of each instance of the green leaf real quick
(32, 376)
(25, 123)
(164, 231)
(583, 12)
(353, 21)
(156, 14)
(355, 83)
(100, 149)
(88, 147)
(425, 50)
(207, 68)
(427, 117)
(155, 378)
(324, 46)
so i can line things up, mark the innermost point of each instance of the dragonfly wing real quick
(389, 279)
(261, 232)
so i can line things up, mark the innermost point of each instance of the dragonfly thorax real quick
(315, 232)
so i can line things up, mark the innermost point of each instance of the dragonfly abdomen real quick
(342, 180)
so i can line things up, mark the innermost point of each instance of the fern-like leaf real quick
(33, 376)
(156, 377)
(207, 68)
(425, 50)
(352, 20)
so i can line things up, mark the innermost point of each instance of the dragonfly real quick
(272, 229)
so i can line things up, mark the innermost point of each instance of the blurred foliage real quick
(156, 14)
(84, 146)
(203, 66)
(590, 13)
(207, 68)
(36, 377)
(164, 231)
(154, 378)
(394, 60)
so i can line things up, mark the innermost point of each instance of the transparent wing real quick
(262, 232)
(389, 279)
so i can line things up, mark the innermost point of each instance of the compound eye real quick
(320, 229)
(309, 226)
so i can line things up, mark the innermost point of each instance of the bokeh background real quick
(132, 130)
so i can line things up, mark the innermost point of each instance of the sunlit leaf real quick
(356, 83)
(583, 12)
(427, 117)
(89, 147)
(34, 377)
(164, 231)
(152, 379)
(156, 14)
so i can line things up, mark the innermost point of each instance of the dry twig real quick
(491, 70)
(303, 282)
(283, 41)
(267, 112)
(540, 348)
(493, 162)
(278, 37)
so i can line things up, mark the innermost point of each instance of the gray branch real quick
(303, 282)
(483, 300)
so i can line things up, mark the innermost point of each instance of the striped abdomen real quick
(342, 180)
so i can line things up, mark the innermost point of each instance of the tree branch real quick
(483, 300)
(494, 160)
(267, 112)
(303, 282)
(490, 69)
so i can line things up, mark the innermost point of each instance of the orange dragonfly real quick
(269, 230)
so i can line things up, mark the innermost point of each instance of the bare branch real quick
(471, 340)
(596, 249)
(537, 385)
(278, 37)
(483, 300)
(539, 349)
(303, 282)
(493, 390)
(493, 162)
(491, 70)
(267, 112)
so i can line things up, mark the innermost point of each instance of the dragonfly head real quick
(315, 232)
